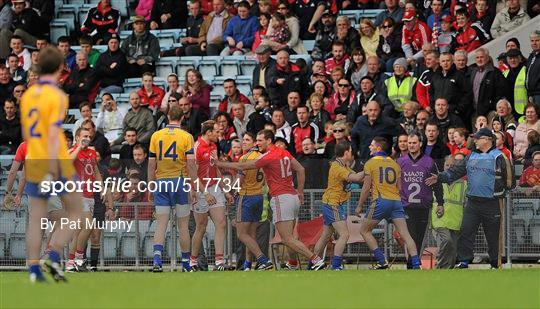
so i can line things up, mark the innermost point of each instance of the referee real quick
(489, 174)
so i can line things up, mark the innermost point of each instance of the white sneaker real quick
(70, 266)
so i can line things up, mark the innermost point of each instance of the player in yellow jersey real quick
(43, 108)
(249, 206)
(335, 199)
(170, 149)
(382, 176)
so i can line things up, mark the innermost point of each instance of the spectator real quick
(194, 23)
(240, 32)
(86, 46)
(111, 67)
(424, 81)
(533, 8)
(264, 22)
(347, 34)
(339, 58)
(435, 146)
(315, 165)
(497, 124)
(285, 77)
(401, 85)
(191, 117)
(140, 161)
(322, 88)
(446, 36)
(101, 22)
(309, 13)
(69, 57)
(283, 128)
(302, 129)
(357, 68)
(340, 133)
(434, 20)
(144, 9)
(211, 41)
(449, 83)
(389, 48)
(461, 59)
(32, 75)
(126, 151)
(443, 118)
(261, 116)
(141, 49)
(279, 33)
(375, 73)
(289, 111)
(520, 138)
(6, 18)
(261, 72)
(326, 35)
(369, 37)
(18, 91)
(500, 143)
(415, 34)
(393, 10)
(110, 118)
(337, 74)
(532, 79)
(168, 14)
(508, 19)
(515, 78)
(531, 175)
(134, 195)
(173, 87)
(99, 142)
(139, 118)
(318, 115)
(482, 14)
(82, 83)
(85, 109)
(422, 118)
(10, 128)
(150, 94)
(17, 47)
(6, 84)
(368, 93)
(460, 142)
(25, 23)
(197, 91)
(233, 95)
(400, 148)
(407, 119)
(338, 105)
(504, 112)
(370, 125)
(241, 118)
(226, 132)
(488, 84)
(469, 36)
(16, 72)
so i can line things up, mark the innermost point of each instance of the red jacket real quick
(224, 104)
(331, 64)
(333, 103)
(420, 35)
(470, 37)
(153, 100)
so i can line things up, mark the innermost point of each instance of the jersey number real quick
(387, 175)
(415, 188)
(169, 153)
(285, 165)
(33, 132)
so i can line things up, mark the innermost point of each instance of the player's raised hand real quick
(431, 180)
(210, 199)
(110, 215)
(358, 211)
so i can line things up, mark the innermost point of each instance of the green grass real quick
(517, 288)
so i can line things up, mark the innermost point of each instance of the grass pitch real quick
(517, 288)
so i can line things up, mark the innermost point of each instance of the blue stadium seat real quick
(59, 28)
(534, 225)
(520, 229)
(83, 12)
(68, 11)
(17, 246)
(248, 66)
(183, 65)
(208, 68)
(243, 83)
(5, 161)
(165, 66)
(309, 44)
(229, 68)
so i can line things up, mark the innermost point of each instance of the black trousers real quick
(134, 70)
(488, 213)
(417, 222)
(211, 50)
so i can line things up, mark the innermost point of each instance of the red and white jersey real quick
(206, 169)
(86, 166)
(276, 165)
(20, 154)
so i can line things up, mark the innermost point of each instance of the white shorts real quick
(54, 203)
(285, 207)
(202, 207)
(88, 204)
(182, 211)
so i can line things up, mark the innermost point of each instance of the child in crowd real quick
(446, 35)
(460, 140)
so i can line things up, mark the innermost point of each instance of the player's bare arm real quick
(356, 177)
(364, 195)
(192, 174)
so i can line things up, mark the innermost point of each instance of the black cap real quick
(513, 53)
(367, 77)
(484, 132)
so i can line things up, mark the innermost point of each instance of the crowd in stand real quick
(405, 70)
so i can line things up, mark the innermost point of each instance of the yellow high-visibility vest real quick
(520, 93)
(402, 94)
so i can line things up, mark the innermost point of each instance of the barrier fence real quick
(132, 249)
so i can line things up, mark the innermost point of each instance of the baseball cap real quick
(409, 15)
(262, 49)
(513, 53)
(138, 19)
(447, 18)
(327, 13)
(483, 132)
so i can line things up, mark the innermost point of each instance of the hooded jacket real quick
(145, 46)
(503, 23)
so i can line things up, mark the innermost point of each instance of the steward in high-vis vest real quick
(489, 174)
(515, 76)
(446, 223)
(400, 87)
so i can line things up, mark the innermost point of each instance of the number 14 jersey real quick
(276, 165)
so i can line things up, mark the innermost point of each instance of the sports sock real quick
(336, 261)
(415, 262)
(185, 260)
(158, 249)
(293, 262)
(379, 256)
(247, 265)
(79, 255)
(54, 256)
(262, 259)
(94, 256)
(315, 259)
(71, 256)
(193, 260)
(219, 259)
(35, 269)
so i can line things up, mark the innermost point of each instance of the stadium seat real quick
(208, 68)
(121, 5)
(110, 244)
(183, 65)
(69, 11)
(229, 68)
(83, 12)
(166, 39)
(243, 83)
(309, 44)
(524, 211)
(165, 66)
(248, 66)
(128, 245)
(3, 246)
(59, 28)
(17, 246)
(520, 231)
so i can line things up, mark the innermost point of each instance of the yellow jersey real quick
(170, 147)
(385, 174)
(252, 184)
(42, 106)
(338, 190)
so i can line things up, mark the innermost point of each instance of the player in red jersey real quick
(85, 160)
(278, 166)
(212, 197)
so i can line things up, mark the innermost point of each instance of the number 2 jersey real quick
(276, 165)
(384, 173)
(414, 191)
(44, 105)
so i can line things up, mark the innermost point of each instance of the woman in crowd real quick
(498, 125)
(401, 147)
(534, 145)
(338, 104)
(341, 133)
(197, 91)
(260, 35)
(226, 132)
(504, 112)
(520, 138)
(369, 37)
(318, 115)
(358, 67)
(294, 44)
(389, 48)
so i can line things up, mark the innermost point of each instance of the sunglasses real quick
(344, 85)
(172, 100)
(386, 27)
(282, 8)
(338, 130)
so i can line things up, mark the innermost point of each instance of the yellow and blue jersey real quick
(252, 183)
(170, 146)
(338, 190)
(385, 174)
(44, 105)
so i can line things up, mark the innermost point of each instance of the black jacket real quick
(10, 133)
(320, 119)
(257, 73)
(492, 88)
(351, 40)
(451, 121)
(316, 167)
(29, 21)
(394, 42)
(454, 87)
(258, 119)
(439, 151)
(108, 76)
(355, 110)
(532, 82)
(295, 80)
(177, 9)
(363, 133)
(102, 147)
(147, 44)
(192, 124)
(323, 42)
(79, 84)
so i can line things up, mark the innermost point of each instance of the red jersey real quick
(86, 166)
(530, 177)
(206, 168)
(276, 165)
(20, 154)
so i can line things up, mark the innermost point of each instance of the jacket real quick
(422, 88)
(223, 106)
(6, 15)
(105, 20)
(503, 23)
(351, 41)
(334, 105)
(10, 133)
(394, 44)
(81, 85)
(412, 41)
(493, 88)
(29, 21)
(486, 20)
(177, 9)
(192, 122)
(361, 100)
(470, 37)
(257, 72)
(201, 100)
(206, 26)
(532, 78)
(153, 100)
(294, 43)
(323, 42)
(295, 80)
(320, 120)
(143, 121)
(241, 30)
(438, 153)
(363, 133)
(144, 8)
(316, 167)
(453, 86)
(116, 75)
(145, 46)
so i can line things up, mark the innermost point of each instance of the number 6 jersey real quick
(414, 191)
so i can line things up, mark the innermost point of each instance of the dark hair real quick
(432, 123)
(250, 134)
(88, 121)
(533, 137)
(83, 104)
(108, 94)
(229, 80)
(268, 135)
(85, 39)
(279, 16)
(382, 142)
(68, 135)
(227, 116)
(267, 16)
(130, 129)
(389, 20)
(244, 4)
(49, 60)
(326, 91)
(259, 87)
(141, 147)
(338, 43)
(462, 12)
(536, 109)
(62, 39)
(303, 106)
(341, 148)
(273, 125)
(206, 126)
(147, 74)
(13, 55)
(16, 37)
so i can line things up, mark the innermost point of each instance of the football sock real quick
(247, 265)
(415, 262)
(262, 259)
(193, 260)
(336, 261)
(35, 269)
(158, 249)
(293, 262)
(379, 256)
(315, 259)
(219, 259)
(54, 256)
(185, 260)
(94, 256)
